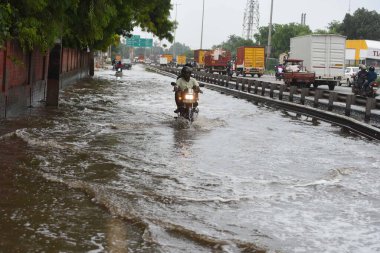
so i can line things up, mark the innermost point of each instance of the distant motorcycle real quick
(359, 89)
(119, 72)
(188, 108)
(279, 74)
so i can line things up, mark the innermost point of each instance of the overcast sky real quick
(225, 17)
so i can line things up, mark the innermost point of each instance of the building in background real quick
(363, 52)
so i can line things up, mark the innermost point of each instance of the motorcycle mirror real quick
(173, 83)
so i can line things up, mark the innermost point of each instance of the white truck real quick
(323, 54)
(163, 61)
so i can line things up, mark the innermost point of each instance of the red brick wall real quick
(2, 65)
(17, 65)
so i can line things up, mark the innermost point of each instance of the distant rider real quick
(185, 81)
(371, 77)
(119, 65)
(362, 75)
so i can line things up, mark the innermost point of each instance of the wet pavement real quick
(112, 170)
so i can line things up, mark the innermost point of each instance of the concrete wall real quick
(24, 76)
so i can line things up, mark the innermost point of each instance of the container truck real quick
(323, 54)
(199, 58)
(181, 60)
(250, 60)
(169, 57)
(163, 61)
(217, 60)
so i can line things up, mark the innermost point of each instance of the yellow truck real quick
(169, 57)
(199, 57)
(181, 60)
(250, 60)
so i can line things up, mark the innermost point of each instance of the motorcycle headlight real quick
(189, 96)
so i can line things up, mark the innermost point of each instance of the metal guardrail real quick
(258, 91)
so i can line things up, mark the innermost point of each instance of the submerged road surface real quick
(111, 170)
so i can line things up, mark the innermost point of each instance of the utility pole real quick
(175, 22)
(203, 14)
(270, 32)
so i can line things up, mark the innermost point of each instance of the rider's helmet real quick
(362, 67)
(372, 68)
(186, 70)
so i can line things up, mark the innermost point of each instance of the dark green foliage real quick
(233, 43)
(281, 35)
(81, 23)
(363, 24)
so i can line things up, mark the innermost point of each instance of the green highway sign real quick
(136, 41)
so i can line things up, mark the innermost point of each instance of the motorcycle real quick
(279, 74)
(359, 89)
(188, 99)
(119, 72)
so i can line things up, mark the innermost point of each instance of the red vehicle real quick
(217, 61)
(295, 74)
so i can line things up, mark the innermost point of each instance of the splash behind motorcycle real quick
(188, 103)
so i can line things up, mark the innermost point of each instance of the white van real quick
(349, 74)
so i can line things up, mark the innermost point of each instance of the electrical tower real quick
(251, 19)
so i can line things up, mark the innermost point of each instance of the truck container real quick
(181, 60)
(250, 60)
(169, 57)
(323, 54)
(199, 57)
(217, 60)
(163, 61)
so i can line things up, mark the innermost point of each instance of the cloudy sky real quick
(225, 17)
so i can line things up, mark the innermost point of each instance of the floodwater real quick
(111, 170)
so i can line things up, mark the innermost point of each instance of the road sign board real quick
(137, 41)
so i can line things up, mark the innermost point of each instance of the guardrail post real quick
(332, 98)
(304, 93)
(243, 84)
(317, 96)
(292, 90)
(257, 83)
(250, 82)
(370, 104)
(281, 93)
(228, 81)
(263, 87)
(273, 86)
(349, 101)
(238, 80)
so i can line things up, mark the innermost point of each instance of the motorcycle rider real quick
(371, 77)
(362, 76)
(185, 81)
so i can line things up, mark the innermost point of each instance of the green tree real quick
(363, 24)
(81, 23)
(281, 35)
(180, 48)
(233, 43)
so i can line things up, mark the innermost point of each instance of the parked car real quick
(127, 64)
(349, 74)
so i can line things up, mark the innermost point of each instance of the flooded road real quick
(111, 170)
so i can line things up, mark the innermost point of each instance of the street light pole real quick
(203, 14)
(270, 32)
(175, 30)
